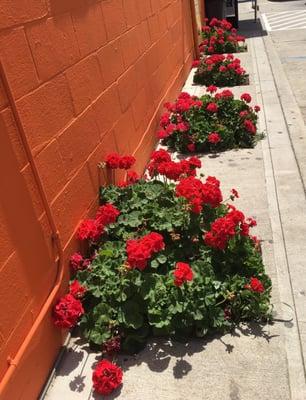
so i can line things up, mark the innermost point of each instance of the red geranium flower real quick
(165, 119)
(107, 214)
(112, 345)
(243, 113)
(246, 97)
(76, 262)
(112, 160)
(106, 377)
(212, 107)
(159, 156)
(214, 138)
(182, 126)
(196, 63)
(227, 94)
(211, 89)
(191, 147)
(90, 229)
(67, 312)
(223, 229)
(256, 108)
(182, 273)
(198, 193)
(162, 134)
(249, 126)
(126, 162)
(132, 177)
(255, 285)
(139, 251)
(194, 162)
(235, 193)
(76, 289)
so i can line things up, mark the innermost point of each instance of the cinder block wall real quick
(89, 77)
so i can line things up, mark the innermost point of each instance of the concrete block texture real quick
(89, 77)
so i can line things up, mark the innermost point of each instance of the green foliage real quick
(220, 70)
(141, 303)
(227, 122)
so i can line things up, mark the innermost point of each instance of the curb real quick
(282, 179)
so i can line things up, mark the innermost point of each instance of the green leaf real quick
(129, 315)
(155, 263)
(162, 259)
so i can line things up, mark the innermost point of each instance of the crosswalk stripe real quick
(284, 24)
(292, 26)
(284, 14)
(286, 17)
(283, 20)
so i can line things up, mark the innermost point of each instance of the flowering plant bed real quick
(213, 122)
(166, 257)
(219, 70)
(220, 37)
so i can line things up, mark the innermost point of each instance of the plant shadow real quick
(159, 355)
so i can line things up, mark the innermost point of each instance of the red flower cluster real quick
(225, 63)
(211, 89)
(199, 194)
(181, 131)
(161, 164)
(195, 63)
(173, 120)
(106, 377)
(67, 312)
(92, 229)
(191, 147)
(212, 107)
(183, 103)
(249, 126)
(220, 37)
(115, 161)
(246, 97)
(255, 285)
(78, 263)
(107, 214)
(132, 177)
(139, 251)
(234, 194)
(112, 345)
(220, 70)
(76, 289)
(182, 273)
(225, 94)
(224, 228)
(214, 138)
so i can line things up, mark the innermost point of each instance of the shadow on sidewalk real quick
(249, 28)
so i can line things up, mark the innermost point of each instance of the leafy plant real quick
(159, 267)
(220, 70)
(209, 123)
(166, 257)
(220, 37)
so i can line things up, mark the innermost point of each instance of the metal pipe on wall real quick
(194, 28)
(13, 362)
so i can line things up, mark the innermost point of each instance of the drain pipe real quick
(194, 29)
(14, 362)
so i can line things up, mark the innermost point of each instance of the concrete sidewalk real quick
(265, 362)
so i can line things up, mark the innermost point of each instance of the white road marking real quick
(285, 20)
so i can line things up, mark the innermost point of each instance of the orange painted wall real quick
(89, 77)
